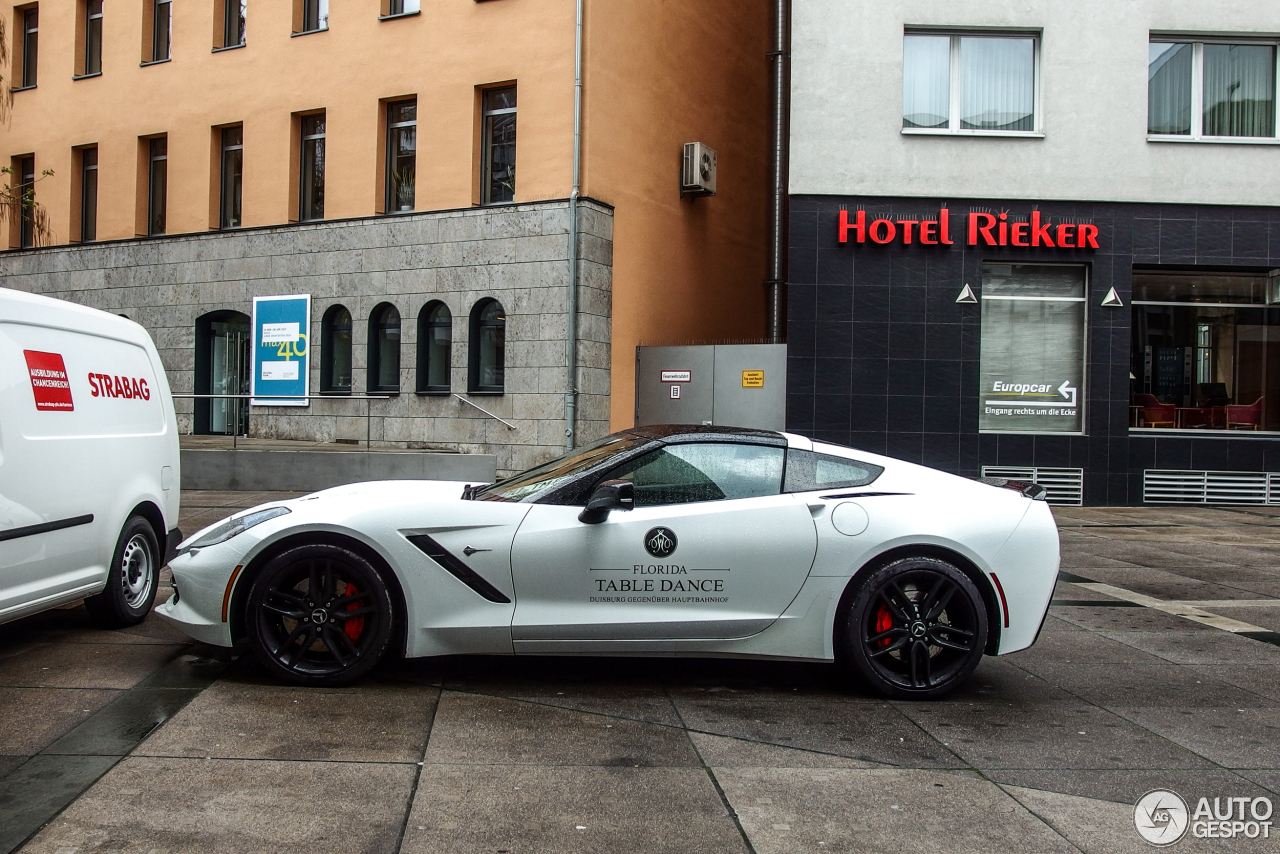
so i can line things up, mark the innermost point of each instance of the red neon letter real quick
(1088, 237)
(927, 231)
(988, 222)
(890, 231)
(1039, 233)
(944, 217)
(1066, 234)
(1019, 230)
(907, 225)
(859, 228)
(1003, 230)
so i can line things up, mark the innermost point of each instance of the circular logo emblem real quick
(917, 629)
(1161, 817)
(660, 542)
(319, 615)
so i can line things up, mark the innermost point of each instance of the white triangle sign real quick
(966, 295)
(1112, 300)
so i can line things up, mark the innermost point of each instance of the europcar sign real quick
(980, 229)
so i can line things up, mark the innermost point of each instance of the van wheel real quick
(917, 628)
(132, 579)
(320, 615)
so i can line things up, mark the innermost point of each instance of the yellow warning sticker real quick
(753, 379)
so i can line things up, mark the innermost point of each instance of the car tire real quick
(916, 628)
(320, 614)
(132, 578)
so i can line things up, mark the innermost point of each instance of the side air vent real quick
(1065, 486)
(1162, 486)
(459, 570)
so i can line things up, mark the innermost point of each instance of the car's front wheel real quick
(320, 614)
(916, 628)
(132, 578)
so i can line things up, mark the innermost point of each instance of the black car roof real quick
(675, 433)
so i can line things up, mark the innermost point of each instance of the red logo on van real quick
(49, 381)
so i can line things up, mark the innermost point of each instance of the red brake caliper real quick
(355, 625)
(884, 622)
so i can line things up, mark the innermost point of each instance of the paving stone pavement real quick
(140, 741)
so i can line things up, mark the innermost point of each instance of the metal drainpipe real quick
(775, 285)
(571, 391)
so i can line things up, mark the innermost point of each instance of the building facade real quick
(1041, 240)
(410, 166)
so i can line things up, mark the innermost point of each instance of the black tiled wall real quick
(881, 357)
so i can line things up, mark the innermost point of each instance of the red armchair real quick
(1245, 417)
(1160, 415)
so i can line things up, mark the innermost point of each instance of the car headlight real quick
(232, 527)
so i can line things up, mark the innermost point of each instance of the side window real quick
(683, 474)
(807, 471)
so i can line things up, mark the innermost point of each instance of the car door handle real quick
(470, 550)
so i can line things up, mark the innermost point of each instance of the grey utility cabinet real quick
(735, 385)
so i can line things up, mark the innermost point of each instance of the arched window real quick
(384, 349)
(335, 351)
(488, 347)
(435, 339)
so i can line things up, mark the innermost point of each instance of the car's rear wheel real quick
(320, 614)
(132, 578)
(916, 628)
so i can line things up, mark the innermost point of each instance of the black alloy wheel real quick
(917, 628)
(320, 615)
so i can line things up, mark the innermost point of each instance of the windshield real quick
(539, 479)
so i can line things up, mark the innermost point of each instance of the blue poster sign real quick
(281, 349)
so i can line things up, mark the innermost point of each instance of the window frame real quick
(237, 22)
(152, 159)
(303, 171)
(88, 209)
(30, 47)
(487, 114)
(426, 323)
(26, 189)
(390, 205)
(312, 12)
(476, 341)
(374, 362)
(328, 326)
(953, 127)
(1197, 134)
(156, 21)
(91, 65)
(396, 9)
(227, 149)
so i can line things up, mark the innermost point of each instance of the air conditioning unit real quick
(698, 175)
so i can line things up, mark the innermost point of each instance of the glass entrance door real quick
(229, 374)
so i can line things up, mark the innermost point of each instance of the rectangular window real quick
(233, 22)
(311, 177)
(30, 45)
(403, 7)
(1033, 348)
(315, 15)
(92, 37)
(88, 195)
(1206, 351)
(498, 168)
(402, 144)
(27, 196)
(232, 177)
(161, 29)
(970, 83)
(157, 184)
(1211, 90)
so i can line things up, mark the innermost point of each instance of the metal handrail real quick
(510, 426)
(368, 430)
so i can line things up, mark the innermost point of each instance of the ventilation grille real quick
(1064, 486)
(1210, 487)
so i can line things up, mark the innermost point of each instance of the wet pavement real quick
(1158, 668)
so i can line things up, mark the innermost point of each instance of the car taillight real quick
(1034, 491)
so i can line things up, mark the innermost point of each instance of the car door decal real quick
(459, 570)
(45, 527)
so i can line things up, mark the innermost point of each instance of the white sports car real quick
(672, 540)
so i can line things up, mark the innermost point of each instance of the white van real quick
(88, 461)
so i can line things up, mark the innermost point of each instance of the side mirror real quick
(610, 495)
